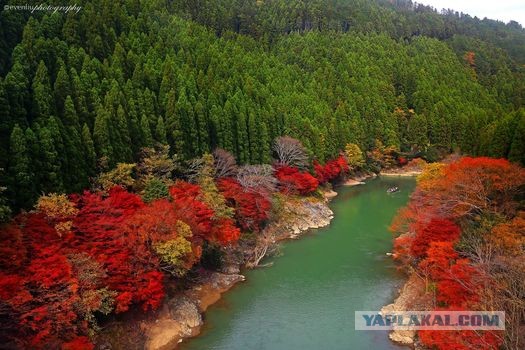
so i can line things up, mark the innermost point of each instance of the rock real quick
(231, 269)
(403, 337)
(184, 311)
(352, 182)
(211, 289)
(329, 194)
(163, 335)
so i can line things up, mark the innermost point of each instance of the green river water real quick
(307, 299)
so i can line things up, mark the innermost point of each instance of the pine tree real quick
(122, 139)
(79, 97)
(101, 136)
(202, 128)
(70, 118)
(33, 148)
(517, 148)
(17, 88)
(417, 132)
(5, 126)
(20, 174)
(42, 93)
(146, 132)
(168, 81)
(160, 131)
(174, 124)
(51, 180)
(62, 88)
(76, 173)
(89, 151)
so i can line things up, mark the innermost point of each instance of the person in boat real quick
(393, 189)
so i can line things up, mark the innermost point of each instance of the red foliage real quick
(12, 250)
(78, 343)
(200, 217)
(460, 340)
(437, 230)
(439, 257)
(251, 207)
(49, 282)
(473, 185)
(191, 210)
(224, 231)
(460, 190)
(401, 161)
(99, 230)
(292, 181)
(332, 170)
(459, 287)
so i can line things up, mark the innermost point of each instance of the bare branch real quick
(290, 152)
(224, 163)
(257, 178)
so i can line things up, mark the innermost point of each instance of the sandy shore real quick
(400, 172)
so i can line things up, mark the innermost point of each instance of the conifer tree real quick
(62, 88)
(146, 132)
(101, 136)
(89, 150)
(160, 131)
(42, 93)
(20, 174)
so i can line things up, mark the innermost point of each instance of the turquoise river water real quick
(307, 299)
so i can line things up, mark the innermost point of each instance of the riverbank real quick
(181, 315)
(412, 295)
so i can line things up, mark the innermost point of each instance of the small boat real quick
(392, 189)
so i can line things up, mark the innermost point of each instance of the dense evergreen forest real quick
(82, 92)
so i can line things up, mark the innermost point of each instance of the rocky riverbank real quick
(413, 295)
(180, 316)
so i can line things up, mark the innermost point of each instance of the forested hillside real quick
(82, 92)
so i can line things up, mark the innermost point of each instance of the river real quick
(307, 299)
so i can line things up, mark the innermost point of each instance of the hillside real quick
(82, 92)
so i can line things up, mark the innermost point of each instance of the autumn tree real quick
(354, 156)
(290, 152)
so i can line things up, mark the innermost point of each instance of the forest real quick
(81, 92)
(140, 137)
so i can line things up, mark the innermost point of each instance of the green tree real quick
(160, 131)
(62, 88)
(50, 179)
(42, 93)
(101, 136)
(146, 132)
(20, 174)
(89, 150)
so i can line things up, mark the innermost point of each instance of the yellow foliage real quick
(210, 193)
(354, 155)
(56, 206)
(174, 253)
(120, 176)
(63, 227)
(509, 236)
(431, 172)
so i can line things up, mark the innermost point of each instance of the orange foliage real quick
(510, 236)
(460, 192)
